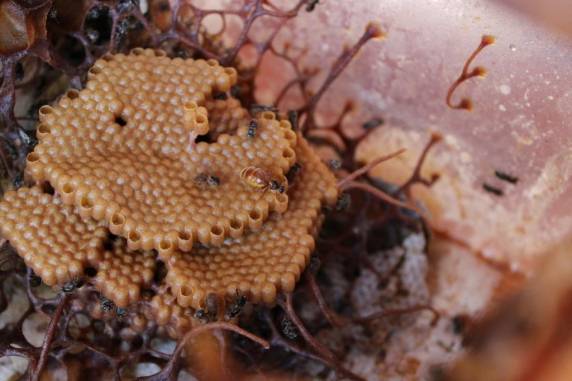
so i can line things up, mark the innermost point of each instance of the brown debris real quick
(133, 169)
(269, 261)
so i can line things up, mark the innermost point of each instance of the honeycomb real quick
(121, 274)
(165, 311)
(122, 151)
(225, 116)
(59, 246)
(263, 263)
(51, 238)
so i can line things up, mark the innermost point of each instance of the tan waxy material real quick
(263, 263)
(120, 151)
(225, 116)
(51, 238)
(59, 245)
(165, 311)
(121, 274)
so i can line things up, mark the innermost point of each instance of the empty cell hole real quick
(120, 121)
(255, 215)
(134, 236)
(33, 157)
(47, 188)
(185, 291)
(268, 115)
(235, 225)
(68, 188)
(43, 129)
(86, 203)
(90, 272)
(184, 236)
(72, 94)
(216, 230)
(45, 110)
(117, 219)
(201, 119)
(165, 245)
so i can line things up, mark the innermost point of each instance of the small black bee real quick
(220, 96)
(293, 119)
(106, 304)
(312, 5)
(235, 91)
(293, 172)
(202, 179)
(315, 264)
(201, 315)
(234, 309)
(276, 186)
(344, 202)
(121, 312)
(494, 190)
(506, 177)
(72, 285)
(288, 329)
(373, 123)
(213, 181)
(334, 164)
(256, 108)
(252, 127)
(35, 281)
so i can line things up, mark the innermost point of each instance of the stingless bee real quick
(235, 308)
(261, 179)
(204, 179)
(252, 127)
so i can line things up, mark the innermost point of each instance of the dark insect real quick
(506, 177)
(92, 35)
(252, 127)
(220, 96)
(494, 190)
(289, 329)
(276, 186)
(460, 323)
(235, 91)
(256, 108)
(312, 5)
(344, 202)
(121, 312)
(72, 285)
(212, 304)
(213, 181)
(18, 180)
(201, 315)
(204, 179)
(334, 164)
(106, 304)
(293, 172)
(373, 123)
(234, 309)
(34, 280)
(293, 119)
(315, 264)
